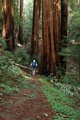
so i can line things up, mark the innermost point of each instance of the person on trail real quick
(34, 65)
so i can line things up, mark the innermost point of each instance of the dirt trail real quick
(29, 104)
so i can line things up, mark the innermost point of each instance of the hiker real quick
(34, 65)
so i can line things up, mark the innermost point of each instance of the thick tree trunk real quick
(8, 23)
(64, 15)
(51, 37)
(35, 29)
(12, 40)
(57, 28)
(43, 56)
(20, 36)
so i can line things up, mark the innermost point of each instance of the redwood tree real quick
(35, 29)
(20, 36)
(8, 23)
(51, 36)
(64, 15)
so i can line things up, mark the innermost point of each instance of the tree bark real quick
(57, 29)
(8, 23)
(35, 29)
(51, 37)
(64, 16)
(20, 36)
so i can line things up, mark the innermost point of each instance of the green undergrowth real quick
(11, 84)
(65, 107)
(11, 77)
(21, 56)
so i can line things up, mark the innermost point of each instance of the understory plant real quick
(65, 107)
(21, 56)
(10, 75)
(2, 43)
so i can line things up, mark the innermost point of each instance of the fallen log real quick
(25, 68)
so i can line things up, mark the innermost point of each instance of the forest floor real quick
(29, 104)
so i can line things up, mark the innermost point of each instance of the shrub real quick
(21, 56)
(3, 43)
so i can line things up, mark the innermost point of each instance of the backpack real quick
(34, 64)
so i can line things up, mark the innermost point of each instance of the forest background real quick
(48, 31)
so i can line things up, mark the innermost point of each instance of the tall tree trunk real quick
(20, 36)
(64, 16)
(17, 18)
(51, 37)
(57, 29)
(8, 23)
(35, 29)
(12, 41)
